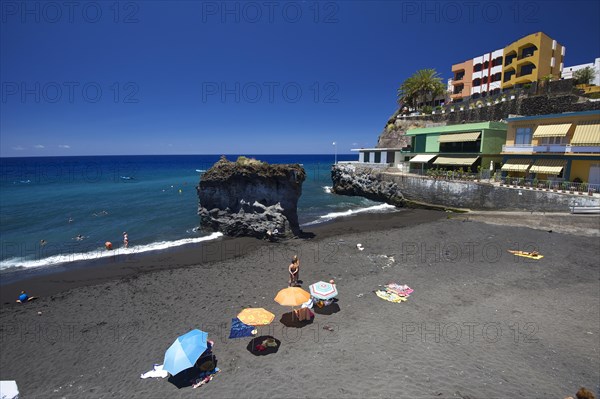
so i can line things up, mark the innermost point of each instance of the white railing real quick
(524, 148)
(555, 148)
(587, 149)
(550, 148)
(558, 185)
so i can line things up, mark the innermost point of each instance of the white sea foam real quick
(327, 189)
(350, 212)
(100, 253)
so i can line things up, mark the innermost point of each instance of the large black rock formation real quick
(249, 197)
(365, 182)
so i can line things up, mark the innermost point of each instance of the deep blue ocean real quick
(152, 198)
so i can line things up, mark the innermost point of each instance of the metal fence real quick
(534, 184)
(550, 185)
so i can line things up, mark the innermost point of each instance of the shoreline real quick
(55, 279)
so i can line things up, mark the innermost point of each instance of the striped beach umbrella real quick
(323, 290)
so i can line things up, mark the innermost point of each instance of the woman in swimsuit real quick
(294, 270)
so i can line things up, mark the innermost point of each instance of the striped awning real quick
(587, 134)
(548, 166)
(459, 137)
(552, 130)
(470, 160)
(516, 165)
(423, 158)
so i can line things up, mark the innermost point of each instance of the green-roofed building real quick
(465, 146)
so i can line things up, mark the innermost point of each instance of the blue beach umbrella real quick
(185, 351)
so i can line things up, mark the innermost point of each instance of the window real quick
(508, 74)
(523, 135)
(461, 147)
(553, 140)
(527, 69)
(509, 58)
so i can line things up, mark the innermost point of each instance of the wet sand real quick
(482, 323)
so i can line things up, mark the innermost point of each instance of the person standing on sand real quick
(294, 270)
(125, 239)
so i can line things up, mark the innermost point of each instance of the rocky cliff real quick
(365, 182)
(250, 197)
(393, 135)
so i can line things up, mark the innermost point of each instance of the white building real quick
(487, 73)
(568, 71)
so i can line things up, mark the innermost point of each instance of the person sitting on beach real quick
(205, 377)
(25, 298)
(209, 347)
(294, 270)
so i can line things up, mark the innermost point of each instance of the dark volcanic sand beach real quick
(482, 323)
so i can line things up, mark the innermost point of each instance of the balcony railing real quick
(556, 185)
(525, 55)
(555, 148)
(517, 148)
(585, 149)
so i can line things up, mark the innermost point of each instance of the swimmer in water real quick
(79, 237)
(42, 243)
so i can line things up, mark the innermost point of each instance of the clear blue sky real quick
(212, 77)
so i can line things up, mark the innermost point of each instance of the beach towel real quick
(526, 254)
(389, 296)
(239, 329)
(156, 372)
(402, 290)
(9, 390)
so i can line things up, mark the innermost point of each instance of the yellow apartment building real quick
(561, 147)
(527, 60)
(531, 58)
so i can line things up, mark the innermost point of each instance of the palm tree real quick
(424, 85)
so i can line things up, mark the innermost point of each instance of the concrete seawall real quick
(456, 194)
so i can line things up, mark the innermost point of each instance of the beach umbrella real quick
(323, 290)
(292, 296)
(256, 316)
(185, 351)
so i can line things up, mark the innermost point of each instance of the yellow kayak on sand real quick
(525, 254)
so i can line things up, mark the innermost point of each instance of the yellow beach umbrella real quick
(256, 317)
